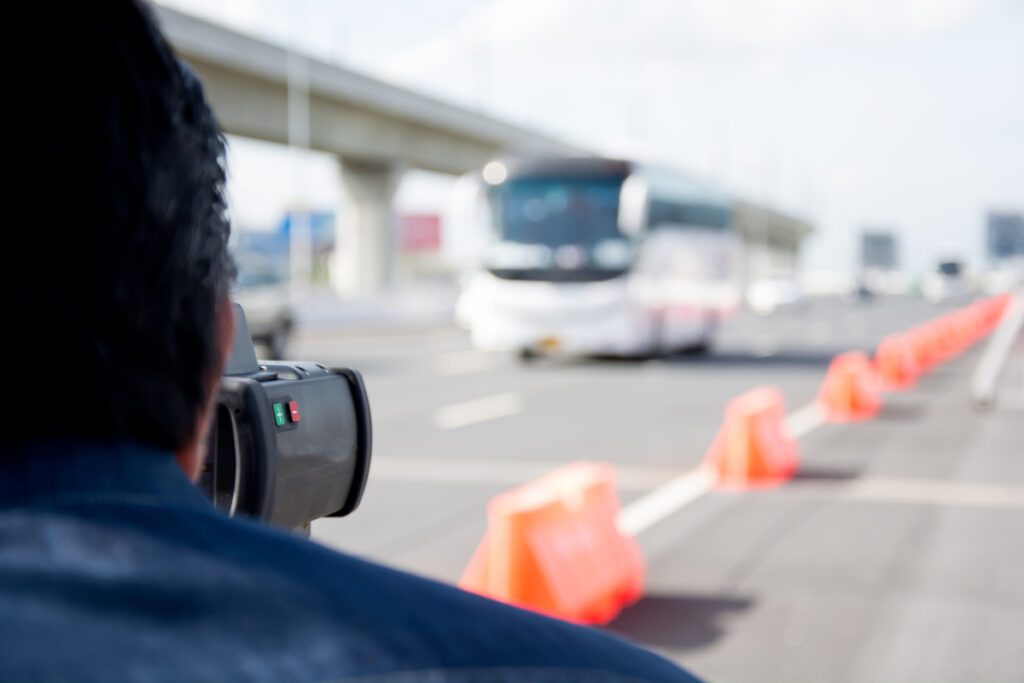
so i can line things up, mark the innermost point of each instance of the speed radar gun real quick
(290, 441)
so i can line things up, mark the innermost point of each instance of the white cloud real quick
(895, 111)
(659, 26)
(500, 24)
(792, 23)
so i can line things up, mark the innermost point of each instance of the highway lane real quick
(787, 585)
(654, 418)
(894, 555)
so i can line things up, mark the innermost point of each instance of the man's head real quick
(118, 273)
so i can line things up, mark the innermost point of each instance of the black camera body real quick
(290, 441)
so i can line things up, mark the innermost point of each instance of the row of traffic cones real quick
(854, 386)
(754, 449)
(553, 545)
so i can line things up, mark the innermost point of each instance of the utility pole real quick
(300, 233)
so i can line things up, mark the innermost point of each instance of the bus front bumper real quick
(616, 332)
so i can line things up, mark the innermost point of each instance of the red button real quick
(293, 407)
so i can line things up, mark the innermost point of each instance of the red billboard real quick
(419, 232)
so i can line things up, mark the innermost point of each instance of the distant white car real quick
(262, 291)
(947, 282)
(769, 294)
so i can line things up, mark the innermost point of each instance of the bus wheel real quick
(701, 348)
(707, 338)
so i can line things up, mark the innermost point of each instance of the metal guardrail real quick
(986, 375)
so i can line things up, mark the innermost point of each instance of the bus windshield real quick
(558, 229)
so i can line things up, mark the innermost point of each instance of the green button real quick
(279, 414)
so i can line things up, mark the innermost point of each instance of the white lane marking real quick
(647, 511)
(919, 491)
(986, 376)
(499, 472)
(478, 410)
(462, 363)
(661, 502)
(805, 420)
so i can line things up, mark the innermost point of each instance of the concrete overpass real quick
(771, 239)
(377, 130)
(264, 91)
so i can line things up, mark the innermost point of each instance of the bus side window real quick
(695, 214)
(660, 213)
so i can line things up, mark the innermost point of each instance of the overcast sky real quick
(901, 113)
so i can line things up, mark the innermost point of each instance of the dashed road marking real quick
(666, 499)
(635, 518)
(478, 410)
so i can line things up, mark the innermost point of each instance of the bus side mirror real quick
(633, 206)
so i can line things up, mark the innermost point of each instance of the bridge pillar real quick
(364, 246)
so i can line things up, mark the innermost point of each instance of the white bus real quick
(590, 255)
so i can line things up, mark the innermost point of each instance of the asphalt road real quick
(894, 555)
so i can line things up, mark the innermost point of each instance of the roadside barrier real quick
(552, 546)
(852, 389)
(985, 380)
(896, 363)
(854, 386)
(752, 448)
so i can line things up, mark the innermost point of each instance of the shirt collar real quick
(67, 470)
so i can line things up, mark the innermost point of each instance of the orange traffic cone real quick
(552, 546)
(940, 340)
(753, 449)
(896, 363)
(921, 348)
(992, 310)
(968, 328)
(852, 389)
(947, 339)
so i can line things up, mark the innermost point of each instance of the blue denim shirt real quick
(114, 567)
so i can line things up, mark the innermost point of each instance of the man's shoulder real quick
(226, 590)
(431, 626)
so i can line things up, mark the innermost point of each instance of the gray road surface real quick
(895, 555)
